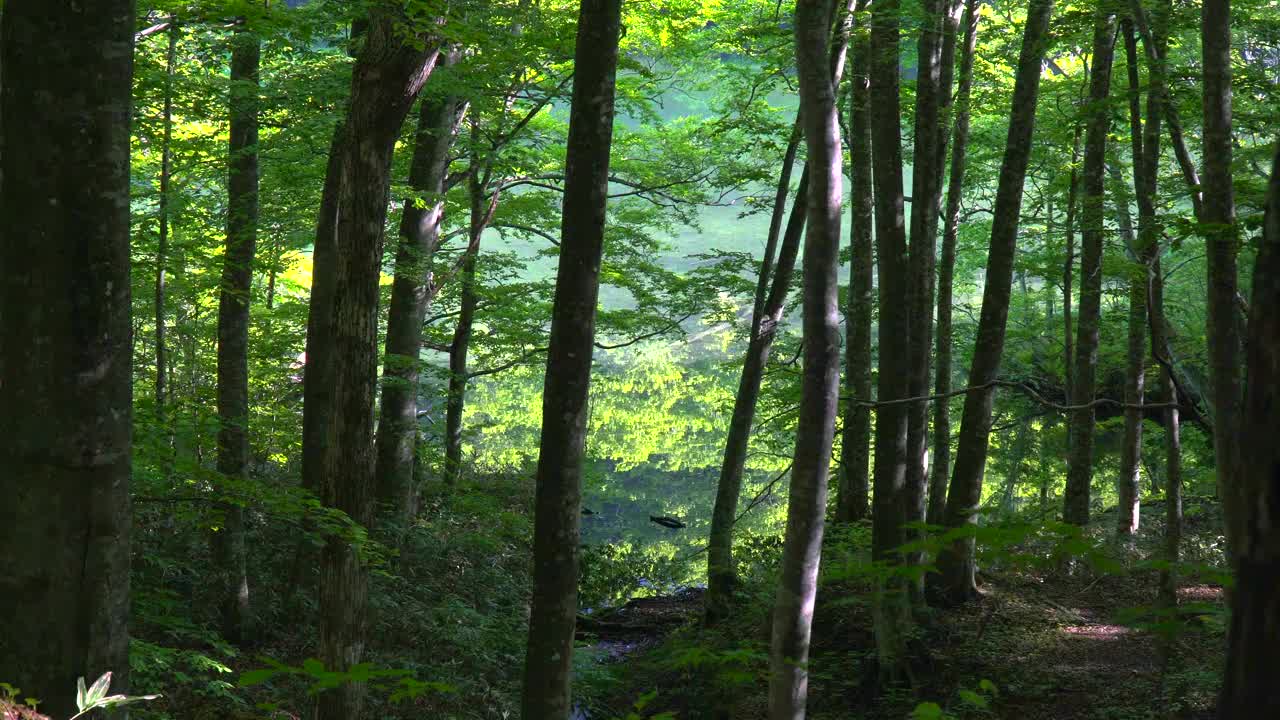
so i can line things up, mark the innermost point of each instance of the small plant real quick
(96, 697)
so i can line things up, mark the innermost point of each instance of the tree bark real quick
(397, 437)
(855, 444)
(232, 582)
(553, 611)
(1128, 505)
(1080, 434)
(65, 361)
(941, 468)
(389, 72)
(1249, 689)
(891, 607)
(1218, 223)
(926, 191)
(956, 562)
(819, 390)
(721, 574)
(461, 344)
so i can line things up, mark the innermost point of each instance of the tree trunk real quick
(941, 468)
(926, 190)
(956, 562)
(819, 390)
(721, 574)
(1128, 508)
(1221, 248)
(891, 607)
(65, 361)
(233, 330)
(454, 403)
(1068, 264)
(1092, 216)
(554, 608)
(162, 244)
(855, 444)
(1249, 689)
(397, 437)
(388, 74)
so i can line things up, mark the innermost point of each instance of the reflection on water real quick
(656, 436)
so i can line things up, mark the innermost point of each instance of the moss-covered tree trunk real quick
(956, 562)
(819, 389)
(554, 608)
(65, 359)
(1092, 217)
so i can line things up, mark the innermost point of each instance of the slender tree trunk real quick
(65, 361)
(956, 562)
(926, 190)
(1128, 507)
(397, 438)
(454, 404)
(1080, 450)
(1149, 230)
(721, 575)
(1218, 224)
(855, 444)
(554, 608)
(162, 246)
(1068, 266)
(891, 607)
(819, 392)
(388, 74)
(941, 469)
(1249, 689)
(233, 330)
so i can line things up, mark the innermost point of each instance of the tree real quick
(802, 548)
(1080, 451)
(390, 70)
(65, 361)
(1128, 504)
(233, 326)
(721, 575)
(1218, 224)
(411, 292)
(554, 608)
(956, 562)
(855, 443)
(941, 467)
(1248, 689)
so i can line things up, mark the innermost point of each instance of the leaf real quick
(256, 677)
(99, 689)
(927, 711)
(81, 694)
(989, 687)
(313, 667)
(974, 699)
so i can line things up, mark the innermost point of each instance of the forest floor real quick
(1037, 645)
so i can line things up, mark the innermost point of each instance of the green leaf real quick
(256, 677)
(81, 695)
(973, 699)
(927, 711)
(99, 689)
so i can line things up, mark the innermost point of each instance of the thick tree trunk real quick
(388, 74)
(1092, 216)
(420, 224)
(926, 191)
(891, 608)
(721, 574)
(65, 360)
(941, 467)
(232, 582)
(554, 608)
(855, 444)
(1249, 689)
(461, 344)
(819, 391)
(1218, 223)
(956, 562)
